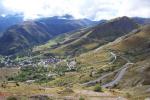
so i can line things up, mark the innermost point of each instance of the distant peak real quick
(124, 18)
(67, 16)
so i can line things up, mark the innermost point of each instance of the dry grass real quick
(8, 72)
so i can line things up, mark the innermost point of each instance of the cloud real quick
(92, 9)
(133, 8)
(2, 9)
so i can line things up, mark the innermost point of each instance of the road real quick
(121, 71)
(113, 56)
(90, 83)
(118, 76)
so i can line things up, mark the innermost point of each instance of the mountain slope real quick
(8, 21)
(91, 38)
(22, 36)
(31, 33)
(141, 21)
(135, 43)
(63, 24)
(123, 63)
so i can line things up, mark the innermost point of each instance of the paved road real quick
(121, 71)
(114, 56)
(118, 76)
(90, 83)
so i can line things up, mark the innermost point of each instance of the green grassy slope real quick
(90, 38)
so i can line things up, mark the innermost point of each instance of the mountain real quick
(90, 38)
(9, 20)
(136, 46)
(141, 21)
(113, 54)
(134, 42)
(63, 24)
(122, 64)
(34, 32)
(18, 37)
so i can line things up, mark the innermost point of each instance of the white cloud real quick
(135, 8)
(93, 9)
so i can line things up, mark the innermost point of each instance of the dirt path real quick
(3, 95)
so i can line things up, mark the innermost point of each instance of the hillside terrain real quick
(122, 63)
(108, 61)
(9, 20)
(90, 38)
(50, 27)
(141, 21)
(29, 33)
(132, 56)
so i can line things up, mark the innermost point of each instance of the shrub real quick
(17, 84)
(128, 95)
(98, 88)
(11, 98)
(81, 98)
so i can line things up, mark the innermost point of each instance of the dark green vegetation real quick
(81, 98)
(98, 88)
(11, 98)
(37, 74)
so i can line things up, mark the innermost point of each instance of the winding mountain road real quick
(90, 83)
(121, 71)
(118, 76)
(113, 56)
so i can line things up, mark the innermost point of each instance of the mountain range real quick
(114, 54)
(29, 33)
(19, 35)
(93, 37)
(122, 64)
(79, 54)
(9, 20)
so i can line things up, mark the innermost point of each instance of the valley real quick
(101, 61)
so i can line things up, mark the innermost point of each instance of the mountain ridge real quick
(33, 32)
(93, 37)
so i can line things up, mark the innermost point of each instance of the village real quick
(8, 62)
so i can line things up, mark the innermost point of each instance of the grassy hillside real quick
(34, 32)
(90, 38)
(22, 36)
(120, 63)
(133, 47)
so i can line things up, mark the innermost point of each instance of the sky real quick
(91, 9)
